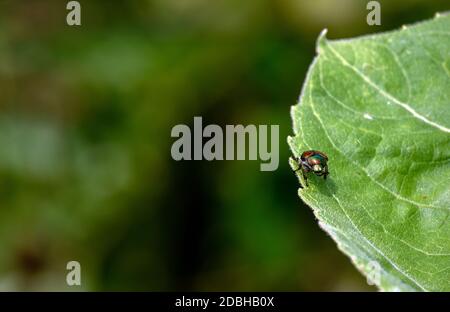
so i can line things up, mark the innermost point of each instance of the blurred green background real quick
(85, 166)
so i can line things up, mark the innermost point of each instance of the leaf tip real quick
(321, 40)
(441, 14)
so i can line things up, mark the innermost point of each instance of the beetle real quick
(314, 161)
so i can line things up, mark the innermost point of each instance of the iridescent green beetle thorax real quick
(316, 159)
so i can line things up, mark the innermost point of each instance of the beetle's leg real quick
(300, 167)
(325, 173)
(305, 177)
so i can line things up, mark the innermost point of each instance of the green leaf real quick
(379, 107)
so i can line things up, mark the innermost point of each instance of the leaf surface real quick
(379, 107)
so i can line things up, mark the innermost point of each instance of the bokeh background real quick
(85, 166)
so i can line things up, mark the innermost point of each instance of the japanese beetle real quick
(314, 161)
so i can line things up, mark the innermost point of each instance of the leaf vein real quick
(388, 95)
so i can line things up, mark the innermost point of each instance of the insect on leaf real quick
(379, 107)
